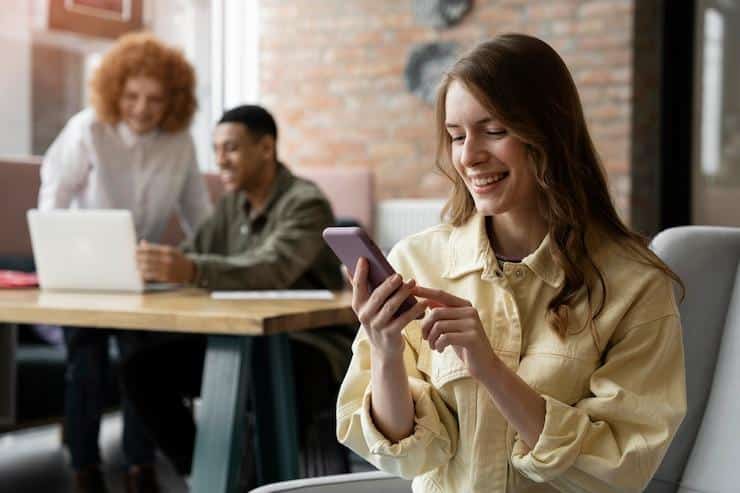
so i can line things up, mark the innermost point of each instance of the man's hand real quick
(164, 263)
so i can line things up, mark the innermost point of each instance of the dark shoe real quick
(90, 480)
(141, 479)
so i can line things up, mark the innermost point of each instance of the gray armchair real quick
(705, 454)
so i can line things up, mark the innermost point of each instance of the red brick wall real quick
(332, 72)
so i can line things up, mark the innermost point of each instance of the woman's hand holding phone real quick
(392, 406)
(376, 309)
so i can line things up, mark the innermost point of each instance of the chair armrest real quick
(360, 482)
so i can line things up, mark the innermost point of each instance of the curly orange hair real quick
(141, 54)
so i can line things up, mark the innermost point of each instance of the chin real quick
(141, 128)
(486, 208)
(135, 129)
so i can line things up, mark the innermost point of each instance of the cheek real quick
(157, 109)
(233, 159)
(242, 165)
(527, 182)
(455, 155)
(460, 171)
(516, 157)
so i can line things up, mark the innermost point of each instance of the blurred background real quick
(350, 81)
(351, 84)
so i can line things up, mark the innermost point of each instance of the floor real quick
(33, 461)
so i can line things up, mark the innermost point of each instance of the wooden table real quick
(227, 374)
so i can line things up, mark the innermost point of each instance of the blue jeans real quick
(88, 367)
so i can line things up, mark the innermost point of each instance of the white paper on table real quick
(282, 294)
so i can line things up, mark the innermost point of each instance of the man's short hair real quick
(258, 120)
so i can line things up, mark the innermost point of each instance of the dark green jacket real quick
(278, 247)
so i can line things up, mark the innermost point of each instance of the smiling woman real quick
(549, 355)
(142, 58)
(142, 104)
(492, 162)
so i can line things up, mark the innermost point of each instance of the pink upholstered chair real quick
(351, 191)
(19, 189)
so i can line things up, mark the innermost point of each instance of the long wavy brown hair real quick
(141, 54)
(527, 87)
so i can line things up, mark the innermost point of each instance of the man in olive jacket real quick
(264, 234)
(266, 231)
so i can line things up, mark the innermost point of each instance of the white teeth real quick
(482, 182)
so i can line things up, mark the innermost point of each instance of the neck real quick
(516, 235)
(260, 189)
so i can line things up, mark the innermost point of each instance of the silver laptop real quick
(87, 250)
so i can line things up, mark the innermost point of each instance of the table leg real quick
(232, 367)
(275, 410)
(219, 446)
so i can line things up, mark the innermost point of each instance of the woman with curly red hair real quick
(130, 150)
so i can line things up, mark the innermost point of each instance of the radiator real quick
(395, 219)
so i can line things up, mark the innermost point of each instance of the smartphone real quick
(351, 243)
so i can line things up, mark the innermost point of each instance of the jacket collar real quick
(280, 184)
(543, 264)
(471, 251)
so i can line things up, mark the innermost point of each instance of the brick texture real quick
(332, 72)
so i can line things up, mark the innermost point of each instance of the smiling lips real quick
(484, 181)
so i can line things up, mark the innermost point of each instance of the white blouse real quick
(94, 165)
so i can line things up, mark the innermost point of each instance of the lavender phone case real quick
(351, 243)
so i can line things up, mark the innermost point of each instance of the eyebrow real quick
(482, 121)
(224, 142)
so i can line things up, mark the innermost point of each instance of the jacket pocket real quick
(441, 368)
(561, 377)
(451, 380)
(427, 482)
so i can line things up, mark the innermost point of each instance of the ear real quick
(266, 146)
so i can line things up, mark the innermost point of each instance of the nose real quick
(220, 159)
(140, 106)
(472, 152)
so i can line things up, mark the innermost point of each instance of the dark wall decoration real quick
(441, 13)
(425, 67)
(428, 62)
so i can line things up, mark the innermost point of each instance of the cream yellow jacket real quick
(614, 392)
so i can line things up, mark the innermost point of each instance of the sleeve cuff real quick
(558, 446)
(427, 426)
(201, 279)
